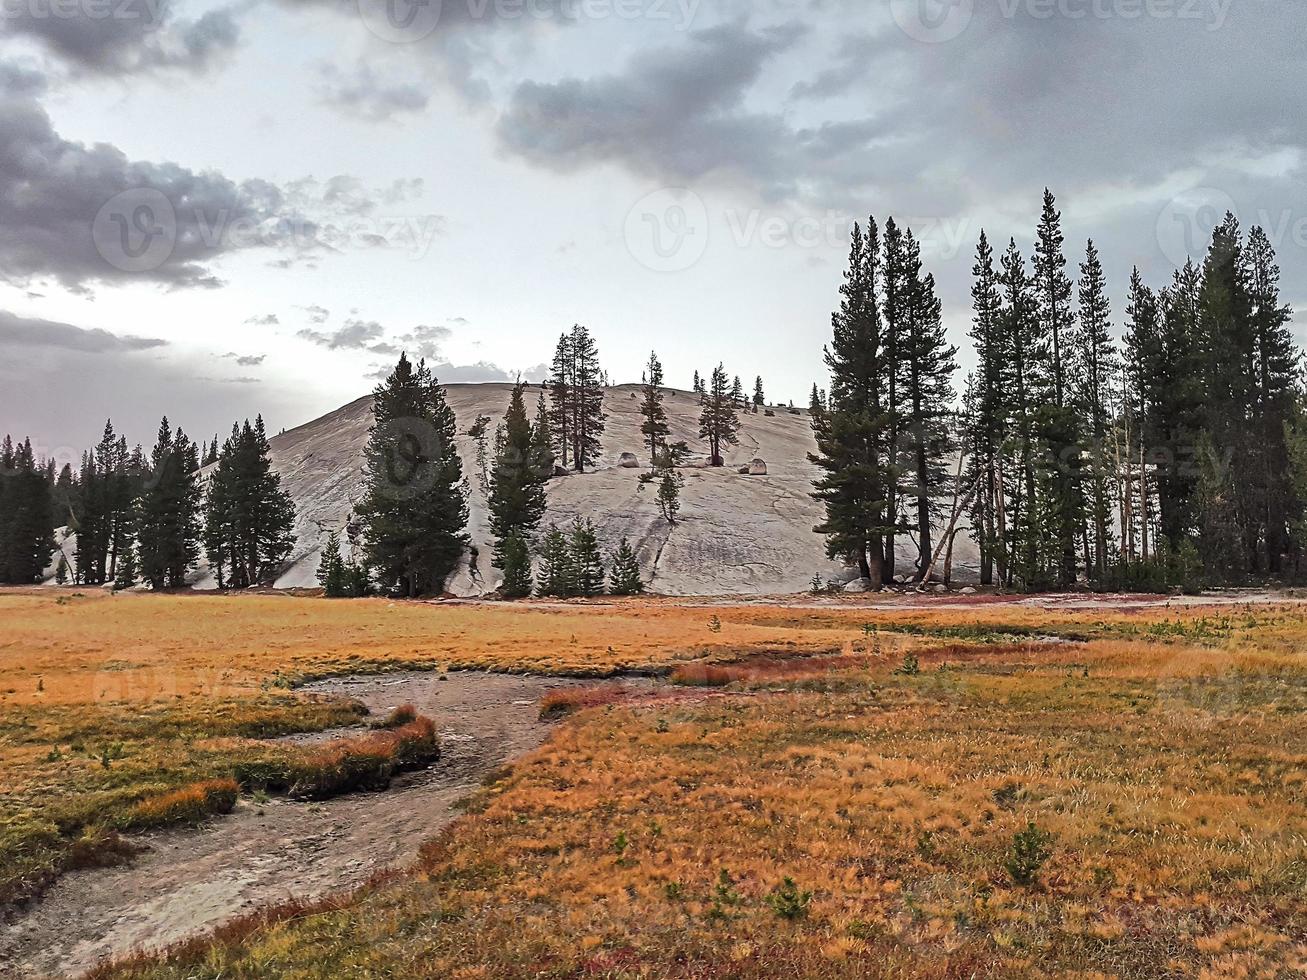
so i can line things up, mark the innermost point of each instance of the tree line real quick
(1173, 458)
(146, 519)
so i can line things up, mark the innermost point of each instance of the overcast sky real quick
(217, 209)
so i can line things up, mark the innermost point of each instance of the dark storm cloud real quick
(17, 331)
(63, 206)
(674, 112)
(122, 37)
(84, 214)
(367, 96)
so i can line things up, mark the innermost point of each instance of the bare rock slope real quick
(737, 533)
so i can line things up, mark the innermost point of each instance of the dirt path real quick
(193, 880)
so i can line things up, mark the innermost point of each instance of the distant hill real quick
(737, 534)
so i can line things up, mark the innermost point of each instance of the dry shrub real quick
(568, 700)
(190, 804)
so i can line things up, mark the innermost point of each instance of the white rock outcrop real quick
(733, 536)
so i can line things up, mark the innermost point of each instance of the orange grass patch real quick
(190, 804)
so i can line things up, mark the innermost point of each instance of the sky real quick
(210, 210)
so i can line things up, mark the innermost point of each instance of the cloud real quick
(137, 35)
(353, 335)
(246, 360)
(83, 214)
(364, 95)
(16, 331)
(264, 320)
(317, 314)
(483, 372)
(675, 113)
(424, 341)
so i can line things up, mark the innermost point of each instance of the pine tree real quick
(718, 422)
(516, 560)
(543, 448)
(698, 384)
(1059, 429)
(414, 507)
(737, 395)
(1275, 369)
(517, 486)
(562, 395)
(557, 574)
(587, 562)
(1027, 352)
(26, 515)
(479, 434)
(248, 518)
(125, 578)
(626, 579)
(577, 392)
(894, 277)
(853, 431)
(1096, 365)
(168, 511)
(987, 418)
(654, 427)
(759, 399)
(331, 569)
(926, 370)
(1143, 371)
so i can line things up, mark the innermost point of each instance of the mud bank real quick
(192, 880)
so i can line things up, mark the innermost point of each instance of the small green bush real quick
(1030, 849)
(787, 901)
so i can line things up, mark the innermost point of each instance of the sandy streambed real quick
(193, 880)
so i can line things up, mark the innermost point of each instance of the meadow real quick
(999, 790)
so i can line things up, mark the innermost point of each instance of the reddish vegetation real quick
(566, 701)
(765, 671)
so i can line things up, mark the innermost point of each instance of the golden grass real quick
(1162, 748)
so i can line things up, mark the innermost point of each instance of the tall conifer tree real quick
(414, 507)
